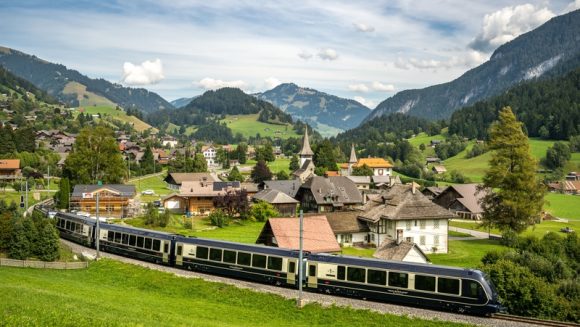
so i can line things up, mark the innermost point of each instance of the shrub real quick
(509, 238)
(19, 244)
(219, 218)
(262, 211)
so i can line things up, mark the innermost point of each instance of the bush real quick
(262, 211)
(19, 245)
(163, 219)
(219, 218)
(509, 238)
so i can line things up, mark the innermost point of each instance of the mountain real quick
(327, 113)
(181, 102)
(74, 88)
(11, 83)
(550, 50)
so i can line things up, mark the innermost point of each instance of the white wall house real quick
(429, 234)
(210, 154)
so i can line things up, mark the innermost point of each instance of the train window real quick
(448, 285)
(244, 258)
(165, 248)
(179, 250)
(140, 241)
(110, 236)
(147, 243)
(230, 256)
(292, 267)
(341, 273)
(355, 274)
(259, 261)
(67, 226)
(132, 240)
(125, 238)
(274, 263)
(472, 289)
(117, 237)
(377, 277)
(425, 283)
(312, 270)
(201, 252)
(398, 279)
(215, 254)
(156, 245)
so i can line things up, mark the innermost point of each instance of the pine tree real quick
(519, 196)
(6, 226)
(294, 164)
(199, 164)
(19, 244)
(261, 172)
(47, 244)
(235, 175)
(147, 162)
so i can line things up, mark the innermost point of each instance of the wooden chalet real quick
(284, 204)
(115, 200)
(10, 169)
(197, 198)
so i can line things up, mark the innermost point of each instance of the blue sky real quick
(364, 50)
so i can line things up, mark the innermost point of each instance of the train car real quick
(138, 243)
(75, 228)
(430, 286)
(245, 261)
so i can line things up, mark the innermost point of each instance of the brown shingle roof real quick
(389, 250)
(179, 178)
(346, 222)
(274, 197)
(317, 234)
(341, 188)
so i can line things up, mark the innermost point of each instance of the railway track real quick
(533, 321)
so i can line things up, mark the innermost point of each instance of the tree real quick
(265, 152)
(47, 244)
(262, 211)
(294, 163)
(325, 155)
(233, 203)
(6, 226)
(235, 175)
(95, 157)
(518, 197)
(261, 172)
(147, 162)
(63, 193)
(19, 244)
(240, 153)
(199, 164)
(363, 170)
(575, 143)
(282, 175)
(557, 155)
(152, 215)
(219, 218)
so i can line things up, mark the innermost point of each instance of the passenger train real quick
(421, 285)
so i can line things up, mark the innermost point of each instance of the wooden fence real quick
(43, 264)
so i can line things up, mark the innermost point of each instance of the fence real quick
(43, 264)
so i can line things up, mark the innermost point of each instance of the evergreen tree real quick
(261, 172)
(47, 244)
(64, 193)
(31, 234)
(6, 226)
(19, 244)
(294, 163)
(147, 162)
(519, 197)
(235, 175)
(265, 152)
(326, 155)
(557, 155)
(199, 164)
(6, 140)
(241, 153)
(282, 175)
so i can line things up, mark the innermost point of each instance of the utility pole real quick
(26, 198)
(300, 264)
(98, 231)
(49, 178)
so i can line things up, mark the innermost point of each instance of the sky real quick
(362, 50)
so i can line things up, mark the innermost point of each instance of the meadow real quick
(110, 293)
(111, 111)
(249, 126)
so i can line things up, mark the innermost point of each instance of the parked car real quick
(148, 192)
(567, 230)
(157, 203)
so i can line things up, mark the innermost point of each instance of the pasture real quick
(111, 111)
(465, 253)
(110, 293)
(249, 126)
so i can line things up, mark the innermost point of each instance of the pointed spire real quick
(306, 150)
(352, 159)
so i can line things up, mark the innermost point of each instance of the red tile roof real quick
(10, 164)
(317, 234)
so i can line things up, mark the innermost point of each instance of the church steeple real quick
(306, 152)
(352, 161)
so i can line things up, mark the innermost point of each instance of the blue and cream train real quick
(422, 285)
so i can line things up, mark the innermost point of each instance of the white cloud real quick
(358, 88)
(214, 84)
(327, 54)
(470, 59)
(305, 55)
(271, 82)
(506, 24)
(572, 6)
(369, 103)
(378, 86)
(363, 27)
(149, 72)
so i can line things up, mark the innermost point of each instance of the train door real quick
(166, 244)
(291, 275)
(178, 254)
(312, 279)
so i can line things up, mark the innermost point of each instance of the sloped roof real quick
(306, 150)
(439, 168)
(389, 250)
(274, 197)
(317, 234)
(360, 179)
(374, 163)
(386, 180)
(290, 187)
(400, 203)
(336, 190)
(250, 187)
(346, 222)
(469, 196)
(200, 188)
(303, 168)
(122, 189)
(10, 164)
(179, 178)
(352, 158)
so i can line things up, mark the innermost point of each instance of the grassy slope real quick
(249, 125)
(86, 98)
(112, 293)
(537, 230)
(275, 166)
(563, 205)
(138, 124)
(465, 253)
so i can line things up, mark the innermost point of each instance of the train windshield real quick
(494, 296)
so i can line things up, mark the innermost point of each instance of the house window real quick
(436, 223)
(422, 240)
(422, 224)
(345, 238)
(436, 240)
(380, 172)
(409, 239)
(408, 225)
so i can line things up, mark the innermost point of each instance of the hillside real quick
(181, 102)
(116, 114)
(327, 113)
(550, 50)
(54, 79)
(9, 83)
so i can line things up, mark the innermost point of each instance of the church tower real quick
(306, 152)
(352, 160)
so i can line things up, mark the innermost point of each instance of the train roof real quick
(73, 217)
(397, 265)
(240, 246)
(137, 231)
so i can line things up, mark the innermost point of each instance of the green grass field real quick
(120, 115)
(563, 205)
(538, 230)
(465, 253)
(275, 166)
(154, 183)
(458, 234)
(111, 293)
(249, 125)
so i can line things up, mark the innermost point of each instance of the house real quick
(432, 192)
(348, 229)
(432, 160)
(10, 169)
(284, 204)
(362, 182)
(290, 187)
(435, 143)
(210, 154)
(324, 194)
(174, 180)
(403, 209)
(567, 186)
(386, 181)
(399, 250)
(573, 176)
(250, 188)
(115, 200)
(438, 169)
(462, 199)
(161, 156)
(169, 142)
(380, 166)
(197, 197)
(285, 233)
(306, 169)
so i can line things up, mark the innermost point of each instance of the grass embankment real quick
(465, 253)
(249, 125)
(538, 230)
(120, 115)
(111, 293)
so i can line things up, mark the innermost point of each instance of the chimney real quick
(413, 187)
(399, 236)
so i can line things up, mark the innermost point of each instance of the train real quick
(428, 286)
